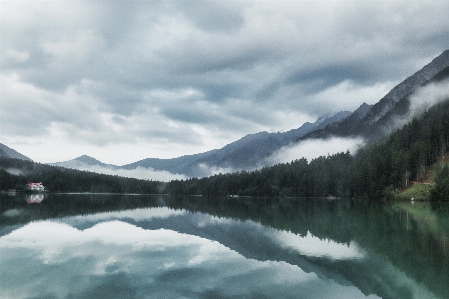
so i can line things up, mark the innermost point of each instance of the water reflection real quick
(34, 197)
(135, 247)
(116, 259)
(310, 245)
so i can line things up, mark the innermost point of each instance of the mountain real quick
(403, 110)
(243, 154)
(10, 153)
(174, 165)
(83, 162)
(407, 86)
(375, 121)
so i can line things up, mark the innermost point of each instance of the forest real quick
(15, 173)
(378, 171)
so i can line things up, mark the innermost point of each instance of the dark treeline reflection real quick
(414, 238)
(65, 205)
(418, 246)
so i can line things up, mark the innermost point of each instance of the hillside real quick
(82, 161)
(422, 190)
(378, 171)
(376, 121)
(15, 173)
(10, 153)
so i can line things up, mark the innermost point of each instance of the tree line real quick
(15, 173)
(378, 171)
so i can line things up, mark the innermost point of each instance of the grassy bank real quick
(421, 191)
(418, 192)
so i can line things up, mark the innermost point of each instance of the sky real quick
(126, 80)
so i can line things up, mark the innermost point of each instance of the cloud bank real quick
(421, 100)
(427, 96)
(314, 148)
(138, 173)
(128, 80)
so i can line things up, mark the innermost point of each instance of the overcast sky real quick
(126, 80)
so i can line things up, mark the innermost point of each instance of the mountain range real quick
(243, 154)
(370, 122)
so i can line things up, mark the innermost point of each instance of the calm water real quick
(111, 246)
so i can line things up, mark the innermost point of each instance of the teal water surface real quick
(130, 246)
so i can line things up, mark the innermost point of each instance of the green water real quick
(129, 246)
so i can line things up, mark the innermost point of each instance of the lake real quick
(131, 246)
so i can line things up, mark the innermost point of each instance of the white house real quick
(35, 187)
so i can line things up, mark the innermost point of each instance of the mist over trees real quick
(15, 173)
(377, 171)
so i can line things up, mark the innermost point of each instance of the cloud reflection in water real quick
(116, 259)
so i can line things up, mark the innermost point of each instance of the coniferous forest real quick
(15, 173)
(378, 171)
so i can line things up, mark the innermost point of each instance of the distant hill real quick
(82, 162)
(376, 121)
(10, 153)
(58, 179)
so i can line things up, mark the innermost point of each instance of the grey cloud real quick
(317, 79)
(250, 60)
(188, 115)
(223, 16)
(161, 134)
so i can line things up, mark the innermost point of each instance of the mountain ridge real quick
(394, 104)
(244, 153)
(83, 161)
(407, 86)
(8, 152)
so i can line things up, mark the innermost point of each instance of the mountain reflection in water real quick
(106, 246)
